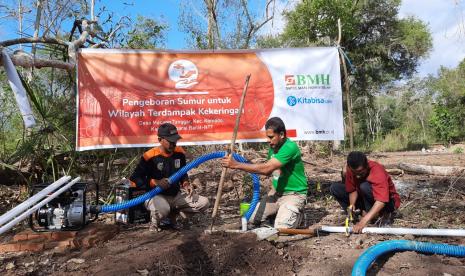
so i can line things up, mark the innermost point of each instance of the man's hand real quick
(374, 211)
(359, 226)
(163, 183)
(229, 162)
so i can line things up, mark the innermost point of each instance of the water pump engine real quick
(68, 211)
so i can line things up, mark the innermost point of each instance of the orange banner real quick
(124, 97)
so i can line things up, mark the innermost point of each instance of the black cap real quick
(169, 132)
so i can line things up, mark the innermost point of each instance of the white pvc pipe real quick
(24, 215)
(33, 200)
(400, 231)
(244, 224)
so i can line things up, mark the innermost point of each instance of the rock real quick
(197, 184)
(76, 261)
(10, 266)
(45, 262)
(409, 237)
(143, 272)
(29, 264)
(228, 186)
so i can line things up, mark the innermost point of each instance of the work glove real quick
(163, 183)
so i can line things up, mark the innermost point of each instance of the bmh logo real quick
(184, 73)
(308, 81)
(291, 100)
(290, 79)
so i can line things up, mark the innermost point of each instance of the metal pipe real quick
(24, 215)
(32, 200)
(400, 231)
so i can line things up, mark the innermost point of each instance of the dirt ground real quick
(427, 202)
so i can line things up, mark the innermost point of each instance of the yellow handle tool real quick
(349, 220)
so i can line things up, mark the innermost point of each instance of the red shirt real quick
(381, 183)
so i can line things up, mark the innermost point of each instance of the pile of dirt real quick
(186, 253)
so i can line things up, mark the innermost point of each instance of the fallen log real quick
(395, 171)
(432, 170)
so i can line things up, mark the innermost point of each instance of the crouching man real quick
(289, 180)
(154, 168)
(368, 188)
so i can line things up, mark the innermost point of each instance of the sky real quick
(445, 19)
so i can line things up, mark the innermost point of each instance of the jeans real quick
(365, 199)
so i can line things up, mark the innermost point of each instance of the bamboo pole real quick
(231, 150)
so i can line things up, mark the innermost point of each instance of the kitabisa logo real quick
(292, 100)
(315, 81)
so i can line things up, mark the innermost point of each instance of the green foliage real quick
(146, 33)
(443, 121)
(382, 48)
(399, 117)
(311, 22)
(393, 141)
(449, 112)
(458, 150)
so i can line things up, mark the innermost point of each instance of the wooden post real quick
(231, 150)
(347, 89)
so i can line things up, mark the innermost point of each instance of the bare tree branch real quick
(25, 60)
(52, 22)
(47, 40)
(74, 45)
(253, 26)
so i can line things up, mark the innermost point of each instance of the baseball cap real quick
(168, 132)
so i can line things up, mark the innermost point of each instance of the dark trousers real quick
(365, 198)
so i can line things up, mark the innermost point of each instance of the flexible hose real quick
(177, 176)
(369, 256)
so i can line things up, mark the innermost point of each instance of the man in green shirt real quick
(288, 197)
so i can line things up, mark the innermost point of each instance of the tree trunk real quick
(348, 102)
(432, 170)
(20, 21)
(37, 26)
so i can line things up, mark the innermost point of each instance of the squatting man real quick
(288, 196)
(367, 188)
(154, 168)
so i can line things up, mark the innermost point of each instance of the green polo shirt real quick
(290, 178)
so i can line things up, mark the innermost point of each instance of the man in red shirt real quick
(368, 187)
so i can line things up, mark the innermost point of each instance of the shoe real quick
(174, 221)
(176, 226)
(171, 223)
(154, 223)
